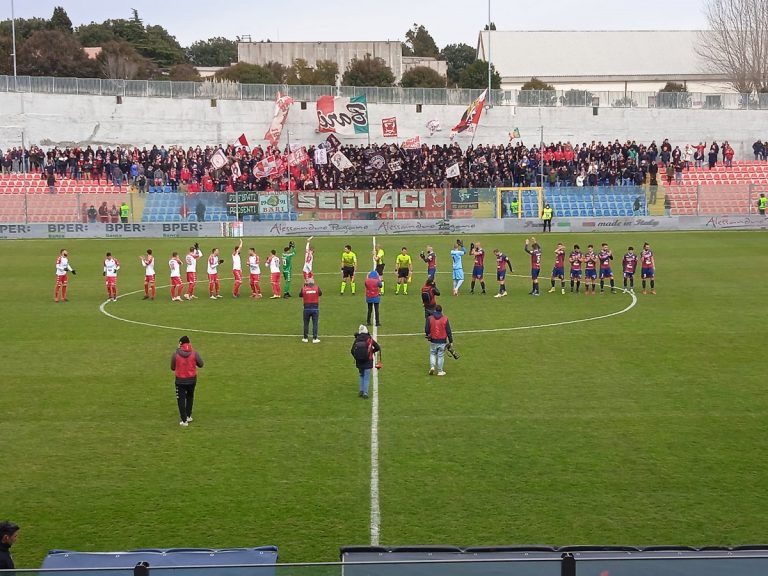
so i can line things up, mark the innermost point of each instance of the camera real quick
(452, 352)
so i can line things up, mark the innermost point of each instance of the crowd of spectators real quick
(378, 166)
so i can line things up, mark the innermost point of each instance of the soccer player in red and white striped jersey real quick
(62, 267)
(255, 273)
(237, 270)
(176, 286)
(148, 262)
(111, 268)
(213, 274)
(191, 260)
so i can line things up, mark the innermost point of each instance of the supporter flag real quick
(514, 134)
(236, 173)
(347, 116)
(471, 116)
(298, 156)
(332, 142)
(412, 143)
(219, 159)
(376, 162)
(395, 166)
(321, 156)
(453, 170)
(279, 117)
(433, 126)
(243, 140)
(389, 127)
(341, 161)
(265, 167)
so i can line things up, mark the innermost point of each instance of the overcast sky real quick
(449, 21)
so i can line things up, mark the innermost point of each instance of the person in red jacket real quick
(311, 293)
(185, 362)
(438, 332)
(373, 286)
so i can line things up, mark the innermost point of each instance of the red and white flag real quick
(412, 143)
(453, 170)
(243, 140)
(298, 156)
(389, 127)
(219, 159)
(265, 167)
(471, 116)
(279, 117)
(236, 173)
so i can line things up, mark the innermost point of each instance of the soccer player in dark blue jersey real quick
(478, 269)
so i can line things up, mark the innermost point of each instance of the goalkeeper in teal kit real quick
(288, 253)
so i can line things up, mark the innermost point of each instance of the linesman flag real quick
(471, 116)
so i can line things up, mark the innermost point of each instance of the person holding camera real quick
(429, 293)
(373, 287)
(364, 349)
(438, 331)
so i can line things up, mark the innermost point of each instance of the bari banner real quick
(279, 116)
(389, 127)
(347, 116)
(273, 203)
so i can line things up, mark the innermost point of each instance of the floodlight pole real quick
(490, 98)
(13, 42)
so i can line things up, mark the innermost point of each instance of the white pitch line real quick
(103, 310)
(375, 503)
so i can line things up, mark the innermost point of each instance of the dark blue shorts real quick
(575, 273)
(501, 275)
(606, 273)
(477, 272)
(558, 272)
(629, 274)
(535, 273)
(646, 272)
(591, 274)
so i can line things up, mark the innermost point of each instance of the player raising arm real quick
(534, 249)
(458, 269)
(191, 260)
(309, 259)
(478, 269)
(431, 260)
(502, 262)
(148, 262)
(558, 270)
(213, 274)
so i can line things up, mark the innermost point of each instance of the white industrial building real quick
(599, 60)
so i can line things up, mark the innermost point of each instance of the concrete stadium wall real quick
(49, 120)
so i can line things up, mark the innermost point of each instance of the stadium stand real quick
(720, 190)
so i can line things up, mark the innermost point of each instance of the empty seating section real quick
(587, 202)
(722, 190)
(26, 198)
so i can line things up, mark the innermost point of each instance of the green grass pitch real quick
(645, 427)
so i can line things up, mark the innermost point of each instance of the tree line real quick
(133, 50)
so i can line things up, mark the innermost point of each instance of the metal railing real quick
(393, 95)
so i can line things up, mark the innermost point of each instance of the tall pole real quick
(13, 41)
(490, 98)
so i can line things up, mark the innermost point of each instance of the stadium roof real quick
(596, 54)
